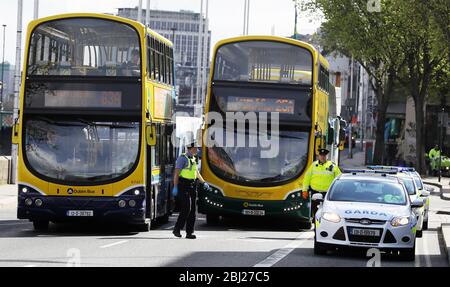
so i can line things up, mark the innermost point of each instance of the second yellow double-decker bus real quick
(95, 122)
(263, 77)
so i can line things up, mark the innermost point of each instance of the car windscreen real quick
(409, 184)
(418, 182)
(370, 191)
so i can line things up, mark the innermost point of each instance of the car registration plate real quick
(80, 213)
(253, 212)
(365, 232)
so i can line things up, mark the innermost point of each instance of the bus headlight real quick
(332, 217)
(132, 203)
(24, 190)
(136, 192)
(28, 201)
(122, 203)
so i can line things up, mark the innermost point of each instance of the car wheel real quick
(212, 219)
(40, 225)
(419, 233)
(425, 225)
(319, 248)
(408, 254)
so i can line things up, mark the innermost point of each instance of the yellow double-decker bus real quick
(95, 122)
(263, 78)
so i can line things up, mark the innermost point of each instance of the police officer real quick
(184, 182)
(319, 176)
(434, 155)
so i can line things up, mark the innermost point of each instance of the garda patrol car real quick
(416, 191)
(366, 209)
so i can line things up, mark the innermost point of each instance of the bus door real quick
(162, 189)
(169, 165)
(153, 169)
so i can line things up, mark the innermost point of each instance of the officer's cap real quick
(191, 144)
(324, 151)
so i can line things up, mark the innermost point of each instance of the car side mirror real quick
(425, 193)
(429, 188)
(417, 203)
(317, 197)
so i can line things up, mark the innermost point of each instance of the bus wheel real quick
(40, 225)
(212, 219)
(145, 227)
(304, 225)
(164, 219)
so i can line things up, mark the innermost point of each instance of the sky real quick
(226, 17)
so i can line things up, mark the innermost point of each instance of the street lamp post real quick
(3, 69)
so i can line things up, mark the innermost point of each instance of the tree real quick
(426, 59)
(353, 30)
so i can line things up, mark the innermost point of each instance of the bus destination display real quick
(270, 105)
(83, 99)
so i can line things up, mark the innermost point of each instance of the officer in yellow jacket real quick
(185, 187)
(434, 155)
(319, 176)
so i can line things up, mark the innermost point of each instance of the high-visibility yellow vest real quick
(320, 176)
(434, 153)
(189, 172)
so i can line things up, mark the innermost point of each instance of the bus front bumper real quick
(63, 209)
(292, 209)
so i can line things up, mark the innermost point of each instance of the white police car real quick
(416, 191)
(414, 195)
(366, 210)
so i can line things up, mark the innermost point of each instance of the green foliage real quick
(406, 42)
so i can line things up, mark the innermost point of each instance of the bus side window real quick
(149, 58)
(158, 146)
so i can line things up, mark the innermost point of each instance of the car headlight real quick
(400, 221)
(331, 216)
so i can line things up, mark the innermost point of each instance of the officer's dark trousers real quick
(187, 198)
(315, 204)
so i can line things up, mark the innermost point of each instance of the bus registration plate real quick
(253, 212)
(80, 213)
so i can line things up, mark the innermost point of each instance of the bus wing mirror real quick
(15, 132)
(150, 134)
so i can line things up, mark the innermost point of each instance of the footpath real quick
(8, 196)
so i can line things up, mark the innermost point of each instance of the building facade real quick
(182, 28)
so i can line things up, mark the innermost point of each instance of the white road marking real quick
(426, 251)
(9, 224)
(114, 244)
(283, 252)
(417, 260)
